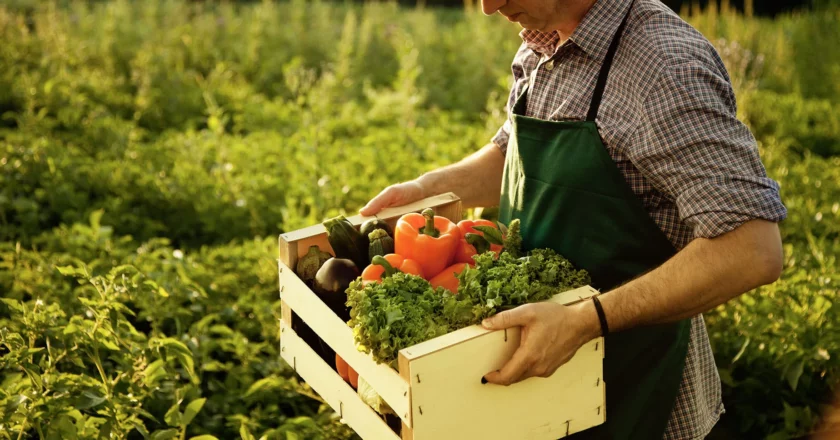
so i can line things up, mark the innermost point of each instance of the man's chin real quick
(529, 25)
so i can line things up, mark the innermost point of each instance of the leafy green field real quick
(152, 151)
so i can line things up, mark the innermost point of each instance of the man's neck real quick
(572, 13)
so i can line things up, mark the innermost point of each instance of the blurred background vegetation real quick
(151, 152)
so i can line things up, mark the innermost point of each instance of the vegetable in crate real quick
(448, 278)
(372, 398)
(403, 310)
(385, 266)
(346, 371)
(342, 368)
(330, 284)
(353, 377)
(308, 265)
(500, 284)
(474, 241)
(346, 241)
(400, 311)
(373, 224)
(513, 240)
(380, 243)
(427, 239)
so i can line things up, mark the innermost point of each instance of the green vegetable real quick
(480, 243)
(372, 398)
(380, 243)
(513, 239)
(374, 224)
(308, 265)
(346, 241)
(398, 312)
(492, 235)
(403, 310)
(494, 285)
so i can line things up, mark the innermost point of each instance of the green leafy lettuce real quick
(404, 310)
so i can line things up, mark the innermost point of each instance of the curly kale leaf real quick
(507, 282)
(400, 311)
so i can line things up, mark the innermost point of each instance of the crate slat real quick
(318, 316)
(332, 388)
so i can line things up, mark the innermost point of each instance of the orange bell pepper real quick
(354, 378)
(389, 265)
(448, 277)
(474, 241)
(346, 372)
(342, 368)
(427, 239)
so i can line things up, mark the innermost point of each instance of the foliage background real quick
(152, 151)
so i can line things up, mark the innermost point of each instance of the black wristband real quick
(605, 329)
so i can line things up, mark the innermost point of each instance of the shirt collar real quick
(593, 35)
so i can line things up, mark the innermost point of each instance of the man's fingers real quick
(513, 369)
(511, 318)
(394, 195)
(382, 200)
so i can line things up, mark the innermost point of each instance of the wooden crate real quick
(437, 392)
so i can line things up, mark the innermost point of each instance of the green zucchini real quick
(346, 241)
(380, 243)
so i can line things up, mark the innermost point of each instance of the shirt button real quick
(549, 65)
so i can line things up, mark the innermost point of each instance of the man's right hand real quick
(395, 195)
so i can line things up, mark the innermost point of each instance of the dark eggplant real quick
(331, 281)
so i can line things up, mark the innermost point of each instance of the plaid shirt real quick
(668, 120)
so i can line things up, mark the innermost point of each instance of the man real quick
(622, 151)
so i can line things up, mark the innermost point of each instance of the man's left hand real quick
(551, 334)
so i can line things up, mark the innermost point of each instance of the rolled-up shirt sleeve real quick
(518, 82)
(696, 151)
(502, 136)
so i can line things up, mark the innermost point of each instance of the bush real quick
(776, 346)
(146, 339)
(803, 124)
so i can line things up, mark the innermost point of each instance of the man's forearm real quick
(703, 275)
(477, 179)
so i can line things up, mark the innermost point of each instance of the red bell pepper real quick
(427, 239)
(448, 277)
(474, 241)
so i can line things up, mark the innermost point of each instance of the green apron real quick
(562, 184)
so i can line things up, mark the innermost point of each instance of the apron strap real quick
(605, 69)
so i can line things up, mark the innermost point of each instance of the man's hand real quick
(476, 179)
(551, 334)
(395, 195)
